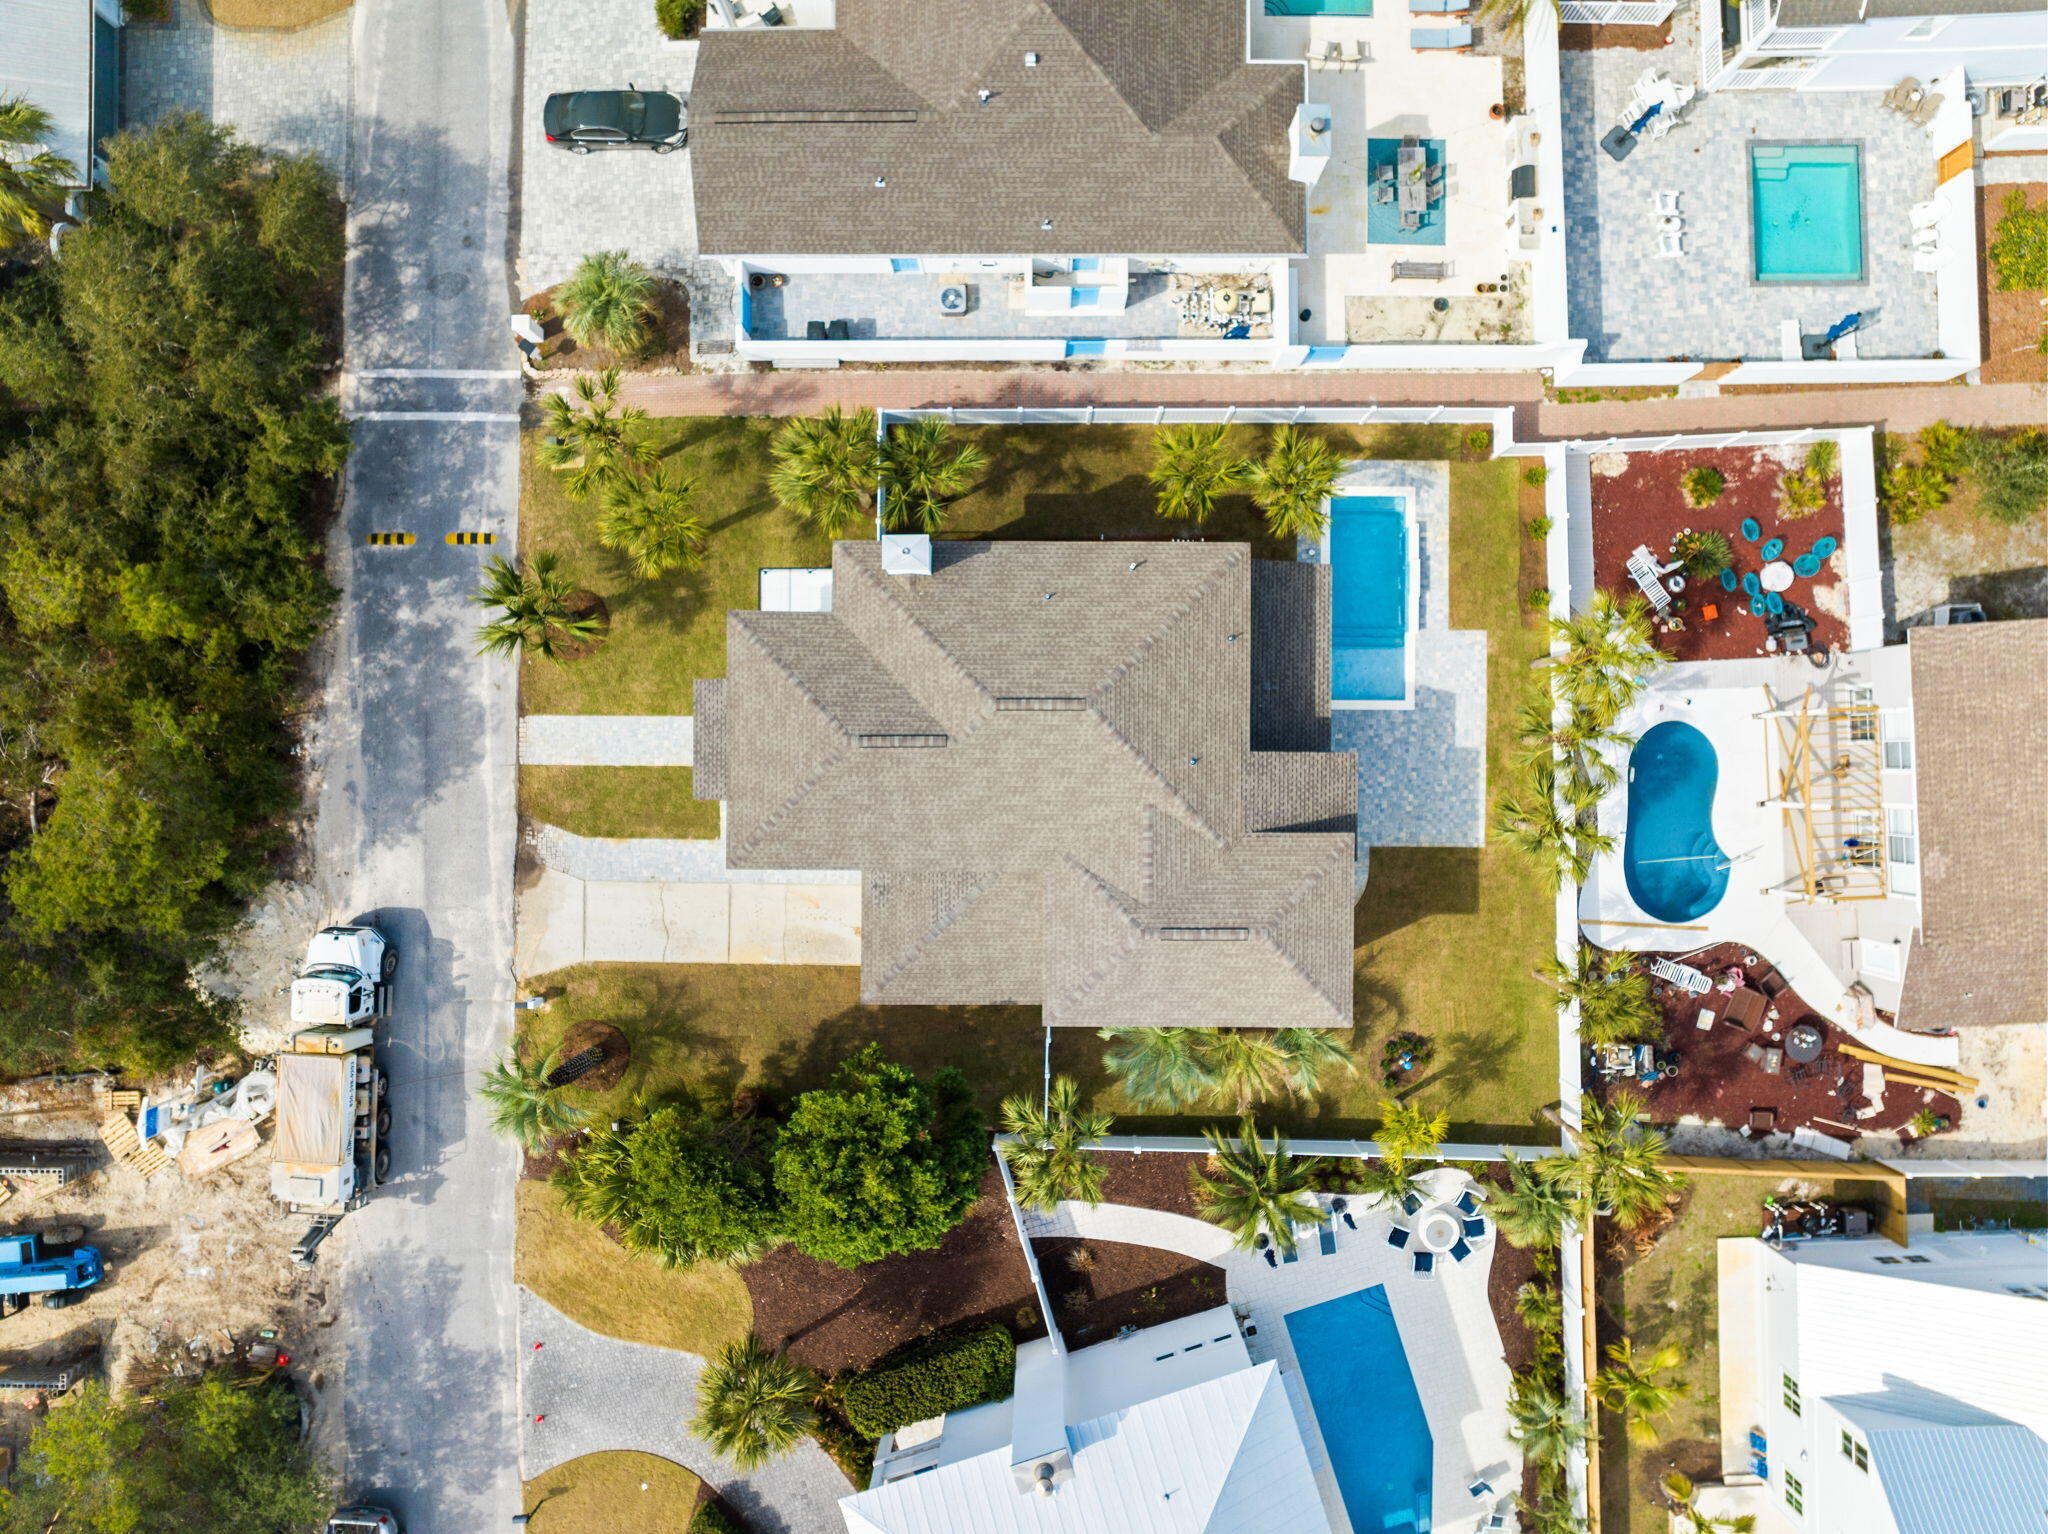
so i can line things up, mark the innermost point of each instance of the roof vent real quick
(906, 553)
(1043, 1480)
(1031, 60)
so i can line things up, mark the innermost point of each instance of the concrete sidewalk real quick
(607, 740)
(564, 920)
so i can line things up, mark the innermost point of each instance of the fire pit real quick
(1803, 1043)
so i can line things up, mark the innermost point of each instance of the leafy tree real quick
(1543, 1420)
(1049, 1160)
(1612, 992)
(299, 216)
(921, 472)
(647, 518)
(1409, 1131)
(879, 1162)
(212, 1456)
(1253, 1190)
(1159, 1067)
(677, 1187)
(1191, 467)
(1532, 1210)
(1614, 1170)
(753, 1404)
(535, 610)
(2019, 245)
(591, 436)
(608, 301)
(1639, 1386)
(32, 178)
(1292, 483)
(524, 1104)
(827, 467)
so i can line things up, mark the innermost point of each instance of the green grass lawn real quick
(620, 1491)
(616, 801)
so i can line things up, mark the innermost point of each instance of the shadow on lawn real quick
(997, 1048)
(1409, 883)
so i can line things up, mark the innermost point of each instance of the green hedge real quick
(713, 1517)
(939, 1375)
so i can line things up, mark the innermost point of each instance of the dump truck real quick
(346, 977)
(332, 1118)
(27, 1267)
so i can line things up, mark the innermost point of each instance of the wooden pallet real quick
(117, 1133)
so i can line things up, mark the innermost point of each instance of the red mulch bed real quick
(1099, 1287)
(1718, 1083)
(835, 1318)
(1644, 505)
(1151, 1180)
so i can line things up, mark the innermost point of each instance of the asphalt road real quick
(416, 820)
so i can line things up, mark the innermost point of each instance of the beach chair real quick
(1670, 244)
(1425, 1264)
(1326, 1239)
(1440, 39)
(1684, 976)
(1398, 1236)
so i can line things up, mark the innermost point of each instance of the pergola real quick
(1829, 777)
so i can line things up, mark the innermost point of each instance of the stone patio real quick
(1634, 306)
(901, 306)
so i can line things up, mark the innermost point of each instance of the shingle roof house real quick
(1138, 129)
(1092, 776)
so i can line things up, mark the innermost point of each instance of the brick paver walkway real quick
(607, 740)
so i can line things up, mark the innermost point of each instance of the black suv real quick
(580, 121)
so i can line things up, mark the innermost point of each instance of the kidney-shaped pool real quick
(1674, 867)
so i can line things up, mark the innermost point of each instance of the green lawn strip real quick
(616, 801)
(1670, 1295)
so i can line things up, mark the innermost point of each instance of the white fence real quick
(1616, 13)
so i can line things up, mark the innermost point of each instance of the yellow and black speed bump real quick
(389, 540)
(472, 538)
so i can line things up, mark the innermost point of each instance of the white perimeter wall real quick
(1996, 50)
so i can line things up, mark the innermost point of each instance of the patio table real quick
(1411, 179)
(1777, 575)
(1439, 1230)
(1803, 1043)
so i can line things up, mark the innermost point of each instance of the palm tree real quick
(608, 302)
(1256, 1191)
(597, 441)
(1614, 1170)
(827, 467)
(1551, 1510)
(1159, 1067)
(1307, 1054)
(31, 184)
(534, 610)
(648, 519)
(753, 1404)
(524, 1104)
(1049, 1160)
(1532, 1209)
(1243, 1065)
(1391, 1179)
(1292, 484)
(919, 476)
(1542, 737)
(1541, 1308)
(1191, 466)
(1535, 822)
(1407, 1131)
(1638, 1386)
(1609, 652)
(1543, 1420)
(1679, 1488)
(1612, 992)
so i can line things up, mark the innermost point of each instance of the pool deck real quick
(1446, 1325)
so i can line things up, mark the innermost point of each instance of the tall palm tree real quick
(1609, 652)
(1255, 1190)
(1532, 1209)
(1292, 484)
(1308, 1054)
(591, 435)
(1679, 1488)
(608, 302)
(648, 518)
(524, 1104)
(1542, 737)
(534, 612)
(1639, 1386)
(1612, 992)
(32, 179)
(1543, 1420)
(1614, 1170)
(921, 472)
(1159, 1067)
(1408, 1131)
(1534, 822)
(753, 1404)
(1390, 1179)
(1191, 467)
(1244, 1066)
(1049, 1160)
(827, 467)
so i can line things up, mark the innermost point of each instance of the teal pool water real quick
(1318, 7)
(1806, 212)
(1674, 867)
(1368, 598)
(1367, 1409)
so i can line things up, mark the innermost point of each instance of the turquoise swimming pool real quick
(1674, 867)
(1806, 212)
(1368, 555)
(1367, 1409)
(1318, 7)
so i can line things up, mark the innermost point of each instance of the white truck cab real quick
(345, 979)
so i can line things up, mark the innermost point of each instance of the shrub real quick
(675, 18)
(1535, 475)
(2019, 246)
(1538, 600)
(1705, 552)
(676, 1188)
(1800, 495)
(1479, 443)
(1822, 458)
(1946, 449)
(713, 1517)
(1537, 528)
(1703, 484)
(932, 1377)
(1911, 490)
(2012, 476)
(609, 302)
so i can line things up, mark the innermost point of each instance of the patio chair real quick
(1763, 1120)
(1474, 1228)
(1773, 1059)
(1460, 1249)
(839, 330)
(1752, 584)
(1411, 1204)
(1774, 602)
(1826, 546)
(1806, 567)
(1467, 1204)
(1727, 580)
(1667, 203)
(814, 330)
(1425, 1264)
(1670, 244)
(1498, 1518)
(1756, 607)
(1398, 1236)
(1480, 1489)
(1410, 219)
(1754, 1054)
(1383, 192)
(1321, 55)
(1351, 55)
(1752, 529)
(1771, 550)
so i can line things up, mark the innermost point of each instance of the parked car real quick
(580, 121)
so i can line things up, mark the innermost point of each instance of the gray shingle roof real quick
(1040, 758)
(1980, 731)
(1141, 130)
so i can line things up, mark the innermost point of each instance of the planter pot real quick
(757, 281)
(1497, 111)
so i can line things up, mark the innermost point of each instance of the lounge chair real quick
(1667, 203)
(1438, 7)
(1929, 260)
(1670, 244)
(1440, 39)
(1923, 114)
(1351, 55)
(1411, 1204)
(1926, 215)
(1398, 1236)
(1790, 348)
(1902, 95)
(1326, 1239)
(1682, 975)
(1425, 1264)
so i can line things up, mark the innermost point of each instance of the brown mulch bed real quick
(1643, 504)
(1718, 1083)
(669, 352)
(1584, 39)
(2012, 322)
(591, 1034)
(1151, 1180)
(1512, 1267)
(1099, 1287)
(835, 1318)
(540, 1165)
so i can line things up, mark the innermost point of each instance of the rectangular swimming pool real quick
(1367, 1409)
(1318, 7)
(1806, 212)
(1369, 599)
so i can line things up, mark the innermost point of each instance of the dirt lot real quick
(2013, 322)
(1956, 555)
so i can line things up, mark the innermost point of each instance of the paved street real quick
(416, 819)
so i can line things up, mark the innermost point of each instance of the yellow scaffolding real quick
(1830, 786)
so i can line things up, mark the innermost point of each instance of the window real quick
(1857, 1454)
(1888, 1261)
(1924, 28)
(1898, 740)
(1916, 1257)
(1792, 1395)
(1795, 1494)
(1902, 849)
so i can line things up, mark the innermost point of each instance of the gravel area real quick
(607, 740)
